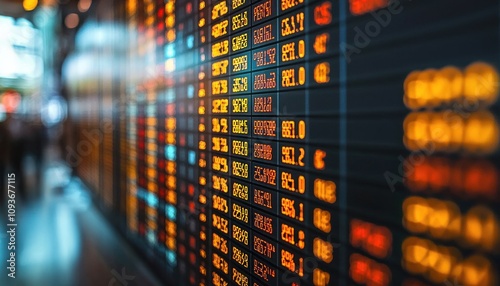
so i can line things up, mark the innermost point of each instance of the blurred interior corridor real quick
(63, 239)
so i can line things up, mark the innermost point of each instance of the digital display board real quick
(293, 142)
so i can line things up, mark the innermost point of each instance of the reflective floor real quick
(62, 239)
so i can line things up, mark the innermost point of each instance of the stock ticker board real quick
(294, 142)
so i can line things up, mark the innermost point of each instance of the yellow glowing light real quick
(415, 211)
(448, 131)
(170, 21)
(481, 229)
(476, 270)
(30, 5)
(170, 65)
(481, 82)
(481, 132)
(171, 35)
(415, 126)
(478, 83)
(131, 6)
(169, 7)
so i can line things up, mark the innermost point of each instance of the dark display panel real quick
(293, 142)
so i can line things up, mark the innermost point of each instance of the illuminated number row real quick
(287, 180)
(220, 183)
(221, 223)
(293, 155)
(265, 57)
(240, 63)
(265, 127)
(241, 190)
(316, 74)
(220, 164)
(265, 175)
(263, 11)
(221, 243)
(265, 33)
(240, 126)
(219, 9)
(240, 169)
(241, 213)
(219, 279)
(293, 51)
(230, 46)
(219, 49)
(298, 267)
(265, 81)
(239, 4)
(221, 204)
(265, 223)
(292, 77)
(264, 104)
(265, 271)
(238, 84)
(241, 42)
(293, 24)
(292, 103)
(220, 29)
(305, 214)
(265, 199)
(304, 241)
(235, 276)
(241, 20)
(299, 49)
(219, 87)
(317, 130)
(241, 105)
(293, 129)
(220, 68)
(298, 183)
(241, 147)
(289, 207)
(308, 19)
(220, 105)
(286, 5)
(220, 125)
(241, 235)
(318, 15)
(240, 277)
(265, 151)
(241, 257)
(265, 247)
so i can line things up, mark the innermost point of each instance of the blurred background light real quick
(84, 5)
(54, 111)
(71, 20)
(10, 101)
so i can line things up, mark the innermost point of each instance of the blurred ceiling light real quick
(71, 20)
(84, 5)
(30, 5)
(54, 111)
(49, 2)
